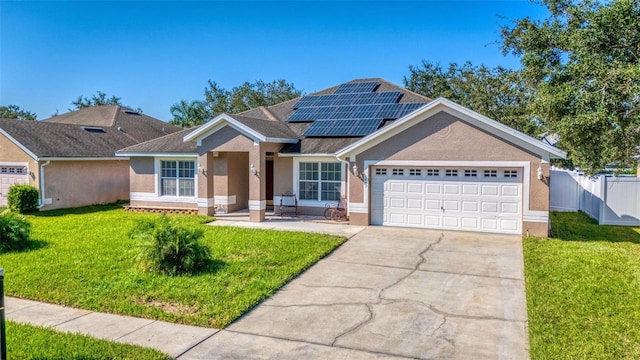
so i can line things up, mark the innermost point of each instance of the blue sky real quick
(154, 54)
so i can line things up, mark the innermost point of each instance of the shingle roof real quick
(272, 122)
(138, 126)
(171, 143)
(89, 132)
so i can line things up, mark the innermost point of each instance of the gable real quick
(225, 139)
(444, 137)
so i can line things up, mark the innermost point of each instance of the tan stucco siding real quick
(11, 153)
(445, 138)
(238, 180)
(79, 183)
(282, 175)
(142, 173)
(226, 139)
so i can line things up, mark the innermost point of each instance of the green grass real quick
(31, 342)
(583, 290)
(83, 258)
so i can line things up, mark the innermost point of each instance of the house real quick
(71, 158)
(400, 159)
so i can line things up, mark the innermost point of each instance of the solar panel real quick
(357, 87)
(343, 127)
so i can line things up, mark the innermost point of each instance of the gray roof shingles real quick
(66, 135)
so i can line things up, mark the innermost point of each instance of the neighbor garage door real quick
(9, 175)
(453, 198)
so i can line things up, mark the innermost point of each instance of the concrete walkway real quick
(388, 293)
(173, 339)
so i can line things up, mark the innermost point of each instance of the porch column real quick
(257, 188)
(206, 205)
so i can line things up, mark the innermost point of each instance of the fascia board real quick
(155, 154)
(19, 145)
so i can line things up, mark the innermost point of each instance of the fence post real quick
(3, 331)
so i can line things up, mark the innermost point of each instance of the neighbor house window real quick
(320, 181)
(177, 178)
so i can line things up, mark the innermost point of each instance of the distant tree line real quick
(580, 79)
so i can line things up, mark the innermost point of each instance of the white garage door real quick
(9, 175)
(471, 199)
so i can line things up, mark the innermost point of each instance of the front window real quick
(177, 178)
(320, 181)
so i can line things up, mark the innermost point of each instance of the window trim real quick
(318, 160)
(158, 181)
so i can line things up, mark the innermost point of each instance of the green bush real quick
(23, 198)
(168, 248)
(15, 231)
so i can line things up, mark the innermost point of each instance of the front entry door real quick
(269, 181)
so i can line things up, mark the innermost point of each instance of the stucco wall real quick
(9, 152)
(142, 174)
(238, 180)
(282, 175)
(78, 183)
(443, 137)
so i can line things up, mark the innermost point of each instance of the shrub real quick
(14, 231)
(22, 198)
(168, 248)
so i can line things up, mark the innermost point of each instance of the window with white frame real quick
(320, 181)
(380, 171)
(511, 173)
(471, 173)
(415, 172)
(177, 178)
(433, 172)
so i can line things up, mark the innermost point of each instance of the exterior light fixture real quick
(252, 169)
(355, 170)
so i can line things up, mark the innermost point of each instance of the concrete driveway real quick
(392, 293)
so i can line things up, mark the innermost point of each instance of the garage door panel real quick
(451, 205)
(470, 206)
(433, 188)
(489, 207)
(414, 188)
(414, 204)
(510, 190)
(432, 204)
(474, 203)
(510, 208)
(451, 189)
(470, 189)
(489, 190)
(469, 223)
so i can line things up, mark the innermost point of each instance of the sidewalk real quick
(173, 339)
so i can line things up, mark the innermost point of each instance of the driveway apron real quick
(392, 293)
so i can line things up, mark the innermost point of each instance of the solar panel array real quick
(353, 110)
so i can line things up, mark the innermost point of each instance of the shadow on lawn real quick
(77, 211)
(31, 245)
(578, 226)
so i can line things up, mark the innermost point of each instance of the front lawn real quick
(32, 342)
(83, 258)
(583, 290)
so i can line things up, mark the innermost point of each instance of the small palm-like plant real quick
(15, 231)
(168, 248)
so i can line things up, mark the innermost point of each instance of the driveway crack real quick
(369, 306)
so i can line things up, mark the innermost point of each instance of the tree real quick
(188, 114)
(247, 96)
(584, 62)
(15, 112)
(98, 99)
(497, 93)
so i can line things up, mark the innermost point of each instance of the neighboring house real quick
(399, 158)
(71, 158)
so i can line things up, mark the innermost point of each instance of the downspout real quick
(41, 174)
(347, 182)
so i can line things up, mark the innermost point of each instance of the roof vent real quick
(120, 128)
(93, 129)
(131, 112)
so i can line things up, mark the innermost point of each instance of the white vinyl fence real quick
(610, 200)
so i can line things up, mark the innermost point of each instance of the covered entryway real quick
(9, 175)
(451, 198)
